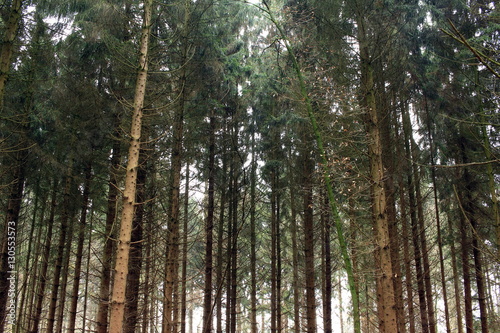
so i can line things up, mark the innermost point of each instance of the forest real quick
(209, 166)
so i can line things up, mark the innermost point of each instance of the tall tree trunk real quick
(470, 219)
(105, 279)
(456, 277)
(185, 231)
(327, 268)
(209, 225)
(79, 249)
(9, 237)
(423, 245)
(295, 263)
(388, 159)
(308, 170)
(414, 224)
(274, 240)
(123, 249)
(63, 235)
(136, 258)
(63, 287)
(40, 294)
(326, 176)
(253, 241)
(220, 238)
(386, 302)
(466, 275)
(438, 222)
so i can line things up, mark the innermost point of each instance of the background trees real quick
(340, 146)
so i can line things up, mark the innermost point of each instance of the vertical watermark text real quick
(11, 276)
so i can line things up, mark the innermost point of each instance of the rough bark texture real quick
(308, 169)
(385, 288)
(123, 247)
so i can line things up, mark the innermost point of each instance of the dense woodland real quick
(249, 166)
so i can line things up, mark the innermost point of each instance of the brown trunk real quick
(105, 280)
(79, 250)
(308, 170)
(185, 232)
(274, 297)
(63, 235)
(456, 277)
(136, 245)
(469, 212)
(8, 243)
(123, 249)
(438, 223)
(220, 236)
(253, 242)
(327, 268)
(295, 268)
(414, 225)
(209, 225)
(45, 264)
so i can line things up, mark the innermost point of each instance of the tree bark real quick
(105, 279)
(385, 274)
(308, 170)
(79, 250)
(45, 263)
(209, 225)
(123, 248)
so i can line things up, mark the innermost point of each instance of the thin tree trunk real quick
(79, 250)
(295, 263)
(123, 249)
(87, 274)
(220, 237)
(253, 242)
(308, 170)
(414, 225)
(62, 308)
(326, 177)
(31, 266)
(209, 225)
(105, 279)
(469, 212)
(274, 240)
(327, 269)
(45, 264)
(185, 231)
(424, 250)
(63, 235)
(456, 278)
(438, 224)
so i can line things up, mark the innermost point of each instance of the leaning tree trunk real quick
(123, 248)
